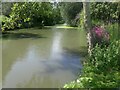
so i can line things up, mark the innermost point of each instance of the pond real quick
(42, 58)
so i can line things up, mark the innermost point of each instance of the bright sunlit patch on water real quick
(67, 27)
(56, 47)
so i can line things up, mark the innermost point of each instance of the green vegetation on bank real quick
(101, 69)
(30, 14)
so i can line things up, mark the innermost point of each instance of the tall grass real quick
(114, 31)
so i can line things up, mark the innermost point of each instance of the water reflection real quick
(43, 63)
(32, 67)
(56, 45)
(23, 70)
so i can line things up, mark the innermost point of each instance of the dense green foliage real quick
(70, 12)
(28, 14)
(101, 69)
(105, 11)
(100, 11)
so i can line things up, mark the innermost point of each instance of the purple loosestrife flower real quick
(98, 31)
(100, 35)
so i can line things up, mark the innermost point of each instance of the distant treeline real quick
(30, 14)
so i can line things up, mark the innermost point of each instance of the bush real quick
(29, 14)
(105, 11)
(100, 36)
(106, 59)
(101, 70)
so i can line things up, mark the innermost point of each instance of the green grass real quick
(114, 31)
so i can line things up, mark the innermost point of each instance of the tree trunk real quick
(87, 24)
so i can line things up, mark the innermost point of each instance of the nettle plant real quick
(100, 36)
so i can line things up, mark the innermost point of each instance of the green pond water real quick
(41, 58)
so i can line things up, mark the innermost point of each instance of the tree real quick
(70, 12)
(28, 14)
(105, 11)
(87, 24)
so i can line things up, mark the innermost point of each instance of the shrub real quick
(105, 11)
(29, 14)
(106, 59)
(100, 36)
(101, 70)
